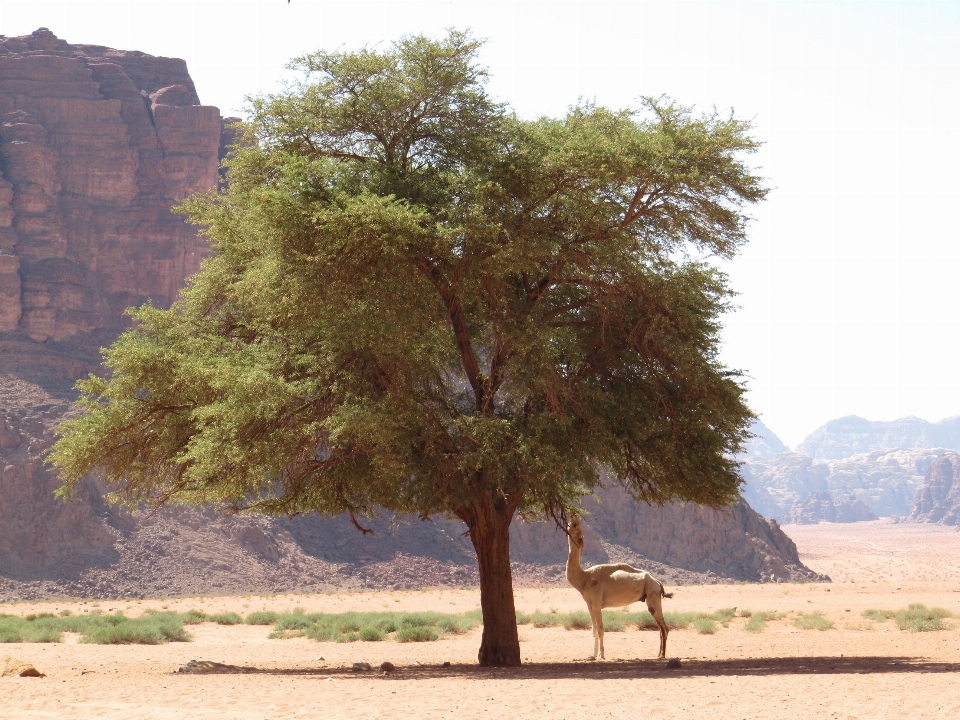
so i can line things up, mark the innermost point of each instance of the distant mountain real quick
(938, 500)
(847, 436)
(765, 444)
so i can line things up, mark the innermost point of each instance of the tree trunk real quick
(489, 522)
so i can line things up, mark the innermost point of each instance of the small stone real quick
(358, 666)
(446, 663)
(387, 666)
(321, 659)
(673, 664)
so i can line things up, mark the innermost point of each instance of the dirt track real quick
(857, 670)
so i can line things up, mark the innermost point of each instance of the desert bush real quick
(545, 619)
(578, 620)
(194, 617)
(920, 618)
(705, 625)
(416, 633)
(226, 618)
(261, 618)
(757, 622)
(812, 621)
(371, 633)
(915, 618)
(746, 613)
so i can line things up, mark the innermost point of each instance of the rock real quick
(386, 666)
(851, 435)
(207, 667)
(446, 663)
(11, 667)
(938, 500)
(90, 170)
(885, 481)
(819, 506)
(673, 664)
(361, 666)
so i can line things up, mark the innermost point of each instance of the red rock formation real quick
(96, 145)
(938, 499)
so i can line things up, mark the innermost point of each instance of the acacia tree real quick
(419, 302)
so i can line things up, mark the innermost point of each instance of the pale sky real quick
(848, 288)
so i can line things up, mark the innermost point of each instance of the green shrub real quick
(746, 613)
(226, 618)
(578, 620)
(920, 618)
(705, 625)
(724, 615)
(878, 615)
(416, 633)
(194, 617)
(371, 633)
(261, 618)
(758, 621)
(812, 621)
(615, 621)
(544, 619)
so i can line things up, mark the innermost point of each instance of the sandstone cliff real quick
(851, 435)
(885, 481)
(938, 500)
(820, 507)
(95, 147)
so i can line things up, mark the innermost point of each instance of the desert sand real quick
(859, 669)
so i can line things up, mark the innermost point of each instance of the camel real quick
(612, 585)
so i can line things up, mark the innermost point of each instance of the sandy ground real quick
(858, 669)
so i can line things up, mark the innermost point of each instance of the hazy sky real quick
(849, 286)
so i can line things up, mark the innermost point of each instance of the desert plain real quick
(860, 668)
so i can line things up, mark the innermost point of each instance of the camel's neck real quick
(574, 572)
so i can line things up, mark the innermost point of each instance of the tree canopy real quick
(419, 301)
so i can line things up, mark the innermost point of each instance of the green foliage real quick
(226, 618)
(705, 625)
(757, 622)
(416, 633)
(915, 618)
(261, 618)
(579, 620)
(417, 297)
(366, 626)
(149, 629)
(812, 621)
(194, 617)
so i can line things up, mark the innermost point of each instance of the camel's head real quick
(575, 531)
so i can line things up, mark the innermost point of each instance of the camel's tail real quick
(664, 593)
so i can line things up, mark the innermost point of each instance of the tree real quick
(419, 302)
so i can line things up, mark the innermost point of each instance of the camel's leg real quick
(657, 611)
(596, 616)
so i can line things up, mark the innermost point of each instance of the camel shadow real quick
(624, 669)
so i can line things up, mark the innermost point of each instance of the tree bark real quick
(489, 522)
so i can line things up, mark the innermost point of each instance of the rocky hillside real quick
(938, 500)
(96, 146)
(794, 485)
(848, 436)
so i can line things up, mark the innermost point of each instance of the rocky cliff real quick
(885, 481)
(96, 146)
(938, 500)
(820, 507)
(851, 435)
